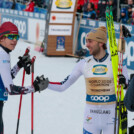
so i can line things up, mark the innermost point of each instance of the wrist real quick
(19, 64)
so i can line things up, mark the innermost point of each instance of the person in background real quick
(80, 4)
(124, 16)
(101, 10)
(114, 8)
(30, 6)
(129, 10)
(130, 2)
(9, 36)
(90, 12)
(131, 20)
(95, 2)
(13, 5)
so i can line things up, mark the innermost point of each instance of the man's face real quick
(8, 43)
(93, 47)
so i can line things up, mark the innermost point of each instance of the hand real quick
(25, 62)
(40, 83)
(122, 81)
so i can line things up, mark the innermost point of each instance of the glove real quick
(40, 83)
(122, 81)
(25, 62)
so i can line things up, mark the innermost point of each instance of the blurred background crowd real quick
(123, 10)
(95, 9)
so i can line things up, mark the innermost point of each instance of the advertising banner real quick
(60, 30)
(21, 23)
(36, 29)
(61, 18)
(31, 25)
(60, 43)
(87, 25)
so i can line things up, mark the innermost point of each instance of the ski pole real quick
(32, 98)
(23, 78)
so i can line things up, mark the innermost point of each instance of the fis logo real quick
(99, 69)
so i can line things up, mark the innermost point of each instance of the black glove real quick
(122, 81)
(40, 83)
(25, 62)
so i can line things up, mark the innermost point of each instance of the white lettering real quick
(100, 98)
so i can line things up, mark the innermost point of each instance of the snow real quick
(54, 112)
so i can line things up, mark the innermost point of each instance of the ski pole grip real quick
(121, 45)
(27, 51)
(33, 59)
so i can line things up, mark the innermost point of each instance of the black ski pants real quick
(1, 119)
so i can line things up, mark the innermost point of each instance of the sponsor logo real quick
(53, 17)
(100, 111)
(88, 119)
(99, 69)
(83, 22)
(100, 98)
(6, 61)
(102, 24)
(100, 90)
(21, 26)
(100, 83)
(5, 94)
(61, 18)
(63, 4)
(92, 23)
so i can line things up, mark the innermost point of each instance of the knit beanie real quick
(8, 28)
(98, 34)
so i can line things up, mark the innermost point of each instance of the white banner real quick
(36, 32)
(61, 18)
(60, 30)
(63, 5)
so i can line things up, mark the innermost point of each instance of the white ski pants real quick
(99, 118)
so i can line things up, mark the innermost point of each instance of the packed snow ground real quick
(54, 112)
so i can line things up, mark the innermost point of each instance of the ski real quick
(120, 127)
(122, 116)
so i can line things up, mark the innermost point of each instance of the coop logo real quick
(63, 4)
(100, 98)
(21, 26)
(99, 69)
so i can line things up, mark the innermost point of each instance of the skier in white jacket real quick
(97, 70)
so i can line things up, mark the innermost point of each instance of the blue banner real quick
(87, 25)
(21, 23)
